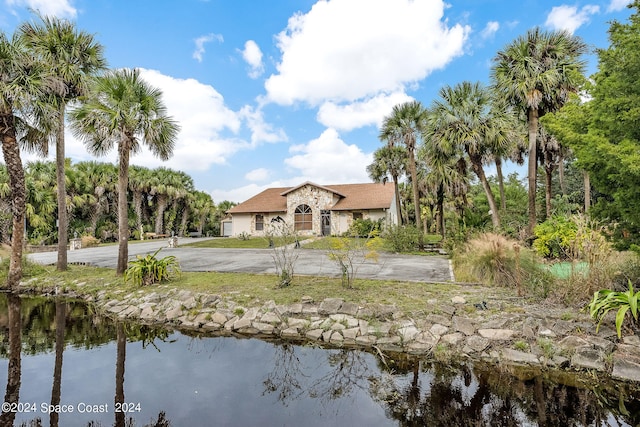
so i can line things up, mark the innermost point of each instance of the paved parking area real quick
(316, 262)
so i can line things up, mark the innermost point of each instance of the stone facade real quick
(317, 199)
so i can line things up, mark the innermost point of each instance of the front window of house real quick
(303, 218)
(357, 215)
(259, 222)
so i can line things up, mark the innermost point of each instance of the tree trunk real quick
(162, 206)
(121, 353)
(201, 224)
(397, 195)
(63, 220)
(11, 153)
(587, 190)
(548, 174)
(57, 367)
(533, 167)
(414, 184)
(123, 211)
(137, 206)
(503, 199)
(476, 164)
(440, 214)
(12, 394)
(184, 222)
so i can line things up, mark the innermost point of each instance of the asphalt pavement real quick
(315, 262)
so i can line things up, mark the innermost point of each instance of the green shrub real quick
(606, 300)
(148, 270)
(555, 237)
(365, 227)
(402, 238)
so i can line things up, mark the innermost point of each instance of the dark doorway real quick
(325, 218)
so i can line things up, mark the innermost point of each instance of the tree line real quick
(161, 201)
(539, 107)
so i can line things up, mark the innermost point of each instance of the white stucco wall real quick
(241, 224)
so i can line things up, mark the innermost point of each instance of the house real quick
(313, 209)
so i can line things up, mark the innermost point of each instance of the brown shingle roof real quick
(354, 197)
(363, 196)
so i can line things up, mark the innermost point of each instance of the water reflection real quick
(196, 380)
(12, 394)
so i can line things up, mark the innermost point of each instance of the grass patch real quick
(233, 243)
(384, 244)
(247, 289)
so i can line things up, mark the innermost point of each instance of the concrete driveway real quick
(310, 261)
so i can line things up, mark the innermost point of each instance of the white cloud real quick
(200, 41)
(569, 18)
(203, 117)
(325, 160)
(490, 29)
(344, 50)
(358, 114)
(329, 160)
(57, 8)
(260, 130)
(253, 56)
(618, 5)
(243, 193)
(260, 174)
(207, 127)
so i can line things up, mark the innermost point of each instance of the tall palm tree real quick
(122, 109)
(22, 80)
(537, 72)
(72, 57)
(404, 126)
(464, 119)
(389, 160)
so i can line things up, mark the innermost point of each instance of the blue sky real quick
(275, 93)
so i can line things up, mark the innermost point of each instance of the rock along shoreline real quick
(543, 339)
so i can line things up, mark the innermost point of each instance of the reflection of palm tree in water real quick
(121, 352)
(57, 370)
(12, 394)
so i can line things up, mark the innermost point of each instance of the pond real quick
(62, 364)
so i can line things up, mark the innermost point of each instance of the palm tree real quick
(389, 160)
(549, 155)
(403, 126)
(201, 208)
(537, 72)
(464, 119)
(168, 185)
(72, 57)
(122, 109)
(22, 80)
(41, 198)
(96, 186)
(140, 180)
